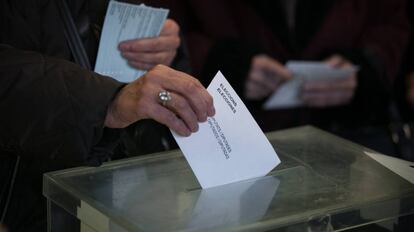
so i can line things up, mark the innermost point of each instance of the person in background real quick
(57, 114)
(250, 42)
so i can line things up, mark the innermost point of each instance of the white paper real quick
(288, 95)
(125, 21)
(403, 168)
(230, 146)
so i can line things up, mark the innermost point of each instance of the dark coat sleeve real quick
(51, 107)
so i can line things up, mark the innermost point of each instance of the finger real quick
(170, 28)
(182, 108)
(141, 65)
(260, 86)
(150, 57)
(254, 91)
(193, 95)
(264, 62)
(168, 118)
(211, 111)
(156, 44)
(258, 78)
(346, 65)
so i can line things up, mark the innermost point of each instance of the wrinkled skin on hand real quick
(190, 103)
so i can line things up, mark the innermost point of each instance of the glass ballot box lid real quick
(324, 183)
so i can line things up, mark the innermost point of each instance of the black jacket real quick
(51, 107)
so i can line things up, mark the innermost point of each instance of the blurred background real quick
(250, 42)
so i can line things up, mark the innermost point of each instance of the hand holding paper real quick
(138, 100)
(316, 84)
(326, 92)
(230, 146)
(145, 53)
(124, 22)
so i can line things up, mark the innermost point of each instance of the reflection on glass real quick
(233, 204)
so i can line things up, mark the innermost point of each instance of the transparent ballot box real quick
(324, 183)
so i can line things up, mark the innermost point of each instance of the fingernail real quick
(212, 112)
(203, 118)
(195, 129)
(186, 132)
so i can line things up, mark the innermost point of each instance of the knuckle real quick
(197, 81)
(191, 86)
(145, 80)
(159, 68)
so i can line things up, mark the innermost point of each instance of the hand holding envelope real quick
(325, 93)
(316, 84)
(230, 146)
(190, 103)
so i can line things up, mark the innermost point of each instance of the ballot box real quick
(324, 183)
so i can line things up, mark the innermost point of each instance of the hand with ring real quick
(170, 97)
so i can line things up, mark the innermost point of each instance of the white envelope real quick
(230, 146)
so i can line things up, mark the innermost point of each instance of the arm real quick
(51, 107)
